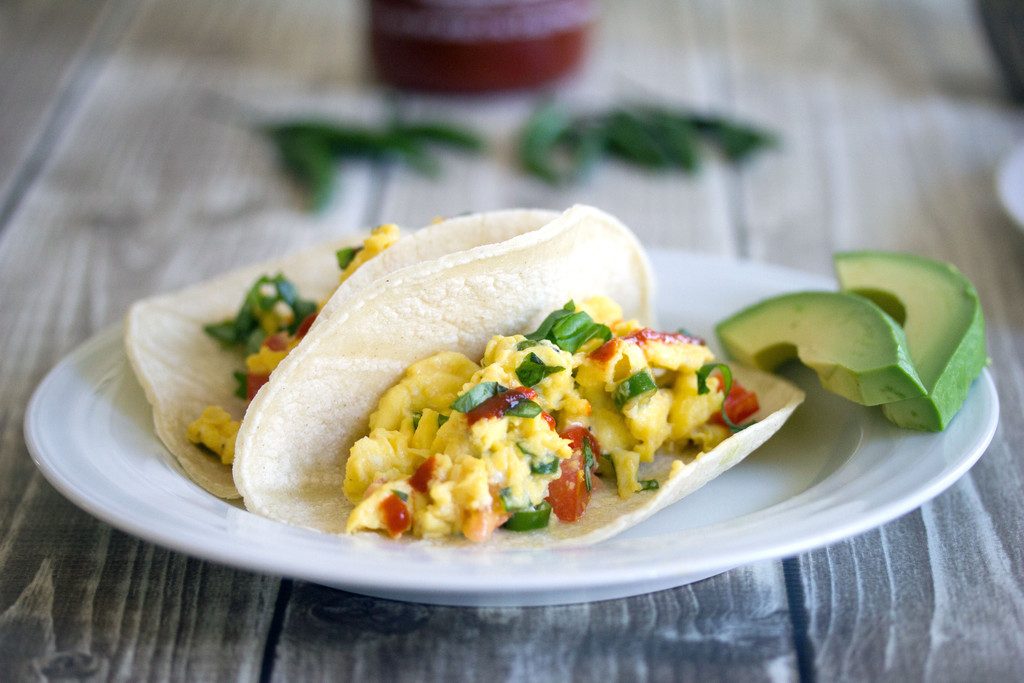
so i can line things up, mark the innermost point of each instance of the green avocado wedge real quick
(941, 315)
(858, 351)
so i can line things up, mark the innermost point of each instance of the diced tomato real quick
(396, 515)
(740, 404)
(253, 382)
(307, 322)
(568, 495)
(276, 342)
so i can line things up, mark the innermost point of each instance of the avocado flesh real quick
(943, 322)
(857, 350)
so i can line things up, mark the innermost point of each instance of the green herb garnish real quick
(310, 149)
(588, 463)
(570, 329)
(441, 419)
(703, 388)
(649, 484)
(527, 520)
(402, 495)
(557, 147)
(532, 370)
(242, 390)
(346, 255)
(525, 408)
(246, 329)
(634, 386)
(477, 395)
(549, 466)
(417, 415)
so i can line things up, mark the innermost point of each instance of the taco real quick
(516, 384)
(202, 353)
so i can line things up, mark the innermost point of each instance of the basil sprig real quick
(570, 329)
(309, 149)
(346, 255)
(703, 388)
(525, 408)
(245, 328)
(532, 370)
(242, 384)
(477, 395)
(528, 520)
(588, 463)
(558, 148)
(636, 385)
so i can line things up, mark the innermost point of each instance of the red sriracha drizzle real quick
(568, 495)
(420, 480)
(606, 351)
(396, 515)
(499, 404)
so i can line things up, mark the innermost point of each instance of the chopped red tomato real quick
(277, 342)
(396, 515)
(740, 404)
(253, 382)
(568, 495)
(307, 322)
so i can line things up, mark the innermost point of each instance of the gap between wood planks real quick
(85, 68)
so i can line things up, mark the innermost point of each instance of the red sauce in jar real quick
(476, 46)
(396, 515)
(420, 480)
(499, 404)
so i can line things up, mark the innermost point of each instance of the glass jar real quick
(477, 45)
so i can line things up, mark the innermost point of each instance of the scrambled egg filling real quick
(436, 469)
(214, 429)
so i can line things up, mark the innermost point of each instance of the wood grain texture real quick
(725, 627)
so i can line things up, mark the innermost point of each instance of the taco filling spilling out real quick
(271, 321)
(526, 436)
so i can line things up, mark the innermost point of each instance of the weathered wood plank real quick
(712, 630)
(156, 180)
(879, 159)
(42, 47)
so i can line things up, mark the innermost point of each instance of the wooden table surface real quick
(128, 167)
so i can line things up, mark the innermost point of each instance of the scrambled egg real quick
(436, 469)
(214, 429)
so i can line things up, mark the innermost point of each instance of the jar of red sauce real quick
(477, 45)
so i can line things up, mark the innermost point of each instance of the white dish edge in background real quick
(837, 469)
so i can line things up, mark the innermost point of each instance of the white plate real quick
(1010, 184)
(835, 470)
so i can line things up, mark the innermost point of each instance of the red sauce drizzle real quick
(646, 334)
(420, 480)
(606, 351)
(499, 404)
(396, 515)
(276, 342)
(549, 418)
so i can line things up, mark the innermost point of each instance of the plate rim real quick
(666, 570)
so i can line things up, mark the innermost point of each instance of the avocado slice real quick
(857, 350)
(941, 315)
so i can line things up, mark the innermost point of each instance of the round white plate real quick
(1010, 184)
(836, 469)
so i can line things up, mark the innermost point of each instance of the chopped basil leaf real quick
(507, 500)
(606, 460)
(242, 390)
(223, 332)
(527, 520)
(526, 343)
(703, 388)
(246, 328)
(525, 408)
(302, 308)
(570, 329)
(416, 417)
(532, 370)
(477, 395)
(588, 463)
(346, 255)
(549, 466)
(522, 449)
(402, 495)
(633, 386)
(544, 330)
(649, 484)
(255, 340)
(441, 419)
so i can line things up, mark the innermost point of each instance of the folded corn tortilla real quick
(291, 449)
(182, 369)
